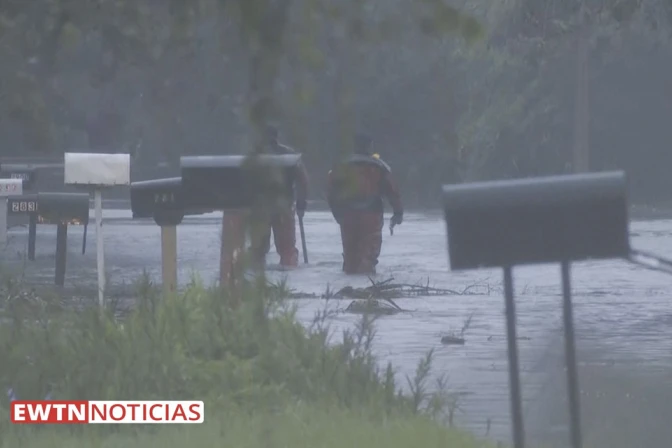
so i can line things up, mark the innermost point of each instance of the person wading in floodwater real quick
(355, 192)
(282, 221)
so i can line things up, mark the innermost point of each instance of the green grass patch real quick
(299, 426)
(266, 379)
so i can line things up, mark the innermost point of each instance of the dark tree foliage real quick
(164, 78)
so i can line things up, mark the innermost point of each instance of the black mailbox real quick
(551, 219)
(225, 182)
(69, 208)
(24, 172)
(22, 205)
(161, 199)
(60, 209)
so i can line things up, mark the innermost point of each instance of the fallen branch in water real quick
(389, 290)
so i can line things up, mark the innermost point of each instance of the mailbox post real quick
(545, 220)
(95, 172)
(62, 209)
(8, 187)
(163, 200)
(235, 183)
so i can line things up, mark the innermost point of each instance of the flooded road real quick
(623, 318)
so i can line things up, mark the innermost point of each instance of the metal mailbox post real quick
(94, 172)
(62, 209)
(162, 200)
(237, 182)
(557, 219)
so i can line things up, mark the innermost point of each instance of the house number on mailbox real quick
(164, 198)
(24, 206)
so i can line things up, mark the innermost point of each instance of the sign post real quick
(95, 172)
(8, 187)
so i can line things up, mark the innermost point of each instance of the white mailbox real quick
(8, 187)
(11, 187)
(97, 170)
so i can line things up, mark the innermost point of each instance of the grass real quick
(267, 380)
(300, 426)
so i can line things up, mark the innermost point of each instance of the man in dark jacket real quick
(355, 193)
(282, 222)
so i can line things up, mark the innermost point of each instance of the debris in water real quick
(373, 306)
(385, 290)
(452, 340)
(388, 290)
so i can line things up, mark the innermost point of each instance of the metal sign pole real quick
(570, 358)
(98, 203)
(514, 368)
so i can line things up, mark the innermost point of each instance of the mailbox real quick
(225, 182)
(92, 169)
(14, 171)
(60, 209)
(11, 187)
(551, 219)
(164, 200)
(52, 208)
(94, 172)
(161, 199)
(69, 208)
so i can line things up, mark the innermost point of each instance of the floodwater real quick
(623, 319)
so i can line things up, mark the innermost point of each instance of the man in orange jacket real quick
(355, 192)
(282, 222)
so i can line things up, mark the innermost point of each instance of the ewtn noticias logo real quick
(100, 412)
